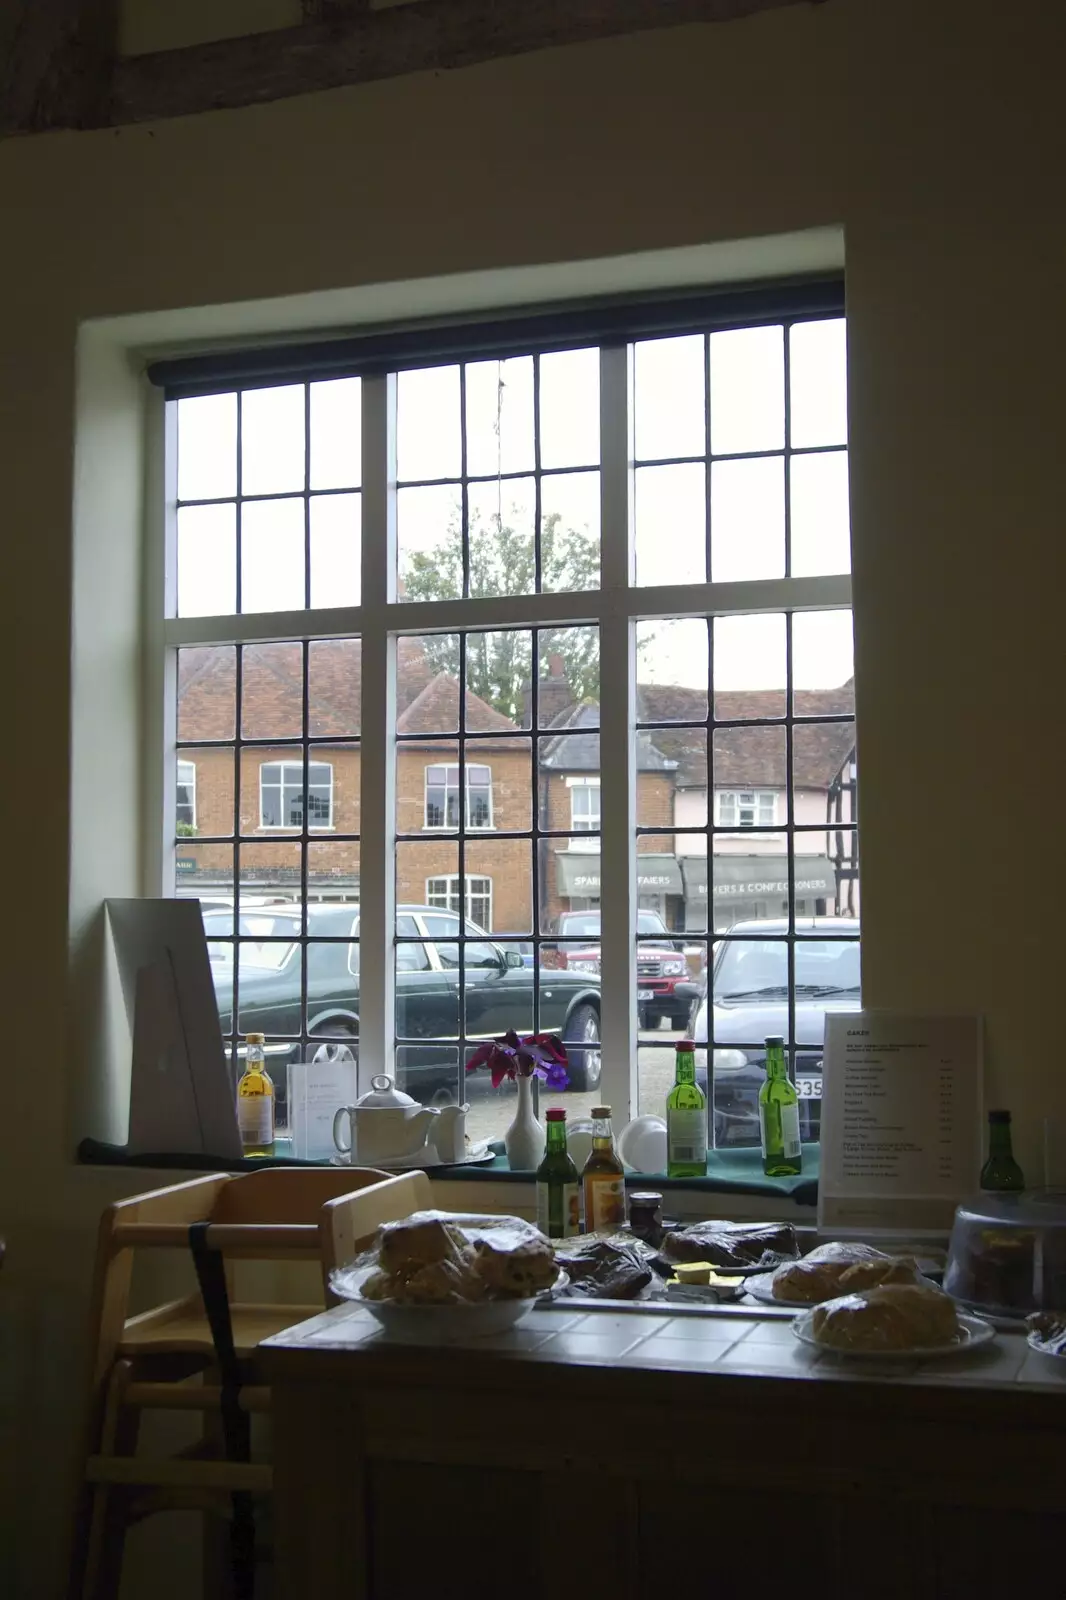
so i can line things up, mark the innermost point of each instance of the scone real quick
(898, 1316)
(517, 1273)
(405, 1246)
(823, 1274)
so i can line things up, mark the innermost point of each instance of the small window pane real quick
(823, 662)
(570, 531)
(821, 516)
(272, 691)
(671, 524)
(747, 390)
(670, 398)
(818, 369)
(570, 409)
(207, 692)
(502, 517)
(335, 678)
(672, 670)
(569, 678)
(336, 438)
(207, 561)
(272, 440)
(429, 543)
(499, 416)
(428, 434)
(336, 549)
(567, 761)
(207, 447)
(498, 670)
(748, 519)
(749, 666)
(272, 556)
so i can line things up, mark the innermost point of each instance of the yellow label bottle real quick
(255, 1101)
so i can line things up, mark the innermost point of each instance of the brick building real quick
(748, 874)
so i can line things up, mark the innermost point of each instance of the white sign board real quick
(181, 1095)
(901, 1120)
(317, 1089)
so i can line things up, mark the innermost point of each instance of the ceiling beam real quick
(346, 43)
(55, 71)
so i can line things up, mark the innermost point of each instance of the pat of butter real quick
(694, 1271)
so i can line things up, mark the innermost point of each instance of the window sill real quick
(728, 1172)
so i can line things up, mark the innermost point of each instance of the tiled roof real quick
(751, 756)
(579, 750)
(435, 710)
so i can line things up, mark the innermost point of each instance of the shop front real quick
(745, 888)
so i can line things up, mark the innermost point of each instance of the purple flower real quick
(540, 1055)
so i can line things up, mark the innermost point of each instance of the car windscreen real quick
(580, 926)
(750, 969)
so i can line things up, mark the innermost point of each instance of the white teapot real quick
(385, 1125)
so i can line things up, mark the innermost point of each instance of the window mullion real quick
(377, 883)
(618, 1020)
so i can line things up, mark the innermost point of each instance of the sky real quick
(746, 382)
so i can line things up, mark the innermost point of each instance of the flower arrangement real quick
(530, 1055)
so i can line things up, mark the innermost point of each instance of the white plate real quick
(424, 1159)
(972, 1332)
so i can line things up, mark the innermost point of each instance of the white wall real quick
(932, 133)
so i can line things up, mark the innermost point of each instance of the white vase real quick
(524, 1139)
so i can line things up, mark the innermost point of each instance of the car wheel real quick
(584, 1055)
(340, 1043)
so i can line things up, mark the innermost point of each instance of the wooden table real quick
(631, 1454)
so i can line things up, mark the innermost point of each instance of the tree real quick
(503, 561)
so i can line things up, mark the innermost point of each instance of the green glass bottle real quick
(558, 1183)
(782, 1155)
(686, 1118)
(1001, 1173)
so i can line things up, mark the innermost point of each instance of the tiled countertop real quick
(729, 1341)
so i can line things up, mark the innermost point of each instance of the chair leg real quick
(102, 1572)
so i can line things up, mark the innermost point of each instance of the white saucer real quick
(477, 1155)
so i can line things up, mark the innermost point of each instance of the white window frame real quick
(185, 778)
(446, 898)
(580, 826)
(760, 797)
(382, 617)
(450, 788)
(297, 767)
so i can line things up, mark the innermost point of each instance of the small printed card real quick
(901, 1120)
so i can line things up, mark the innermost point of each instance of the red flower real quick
(540, 1055)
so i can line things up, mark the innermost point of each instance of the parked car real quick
(661, 963)
(499, 989)
(749, 994)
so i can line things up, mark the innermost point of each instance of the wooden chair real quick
(164, 1359)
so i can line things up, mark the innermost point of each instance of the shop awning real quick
(579, 874)
(749, 877)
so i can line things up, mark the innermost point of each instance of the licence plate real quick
(645, 994)
(809, 1088)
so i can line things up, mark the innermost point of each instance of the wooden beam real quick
(57, 69)
(348, 44)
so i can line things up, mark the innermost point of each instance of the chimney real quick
(555, 694)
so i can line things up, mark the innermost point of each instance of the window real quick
(281, 794)
(185, 798)
(589, 572)
(442, 797)
(745, 808)
(444, 893)
(585, 811)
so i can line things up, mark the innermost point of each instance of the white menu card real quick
(901, 1120)
(317, 1089)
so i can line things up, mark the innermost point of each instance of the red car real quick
(661, 963)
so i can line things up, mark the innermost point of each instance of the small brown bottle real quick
(603, 1178)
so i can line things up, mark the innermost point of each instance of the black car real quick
(749, 990)
(499, 989)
